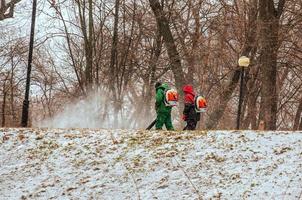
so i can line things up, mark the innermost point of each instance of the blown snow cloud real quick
(94, 111)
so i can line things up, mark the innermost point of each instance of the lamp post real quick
(25, 107)
(242, 62)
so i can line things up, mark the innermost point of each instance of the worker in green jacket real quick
(163, 112)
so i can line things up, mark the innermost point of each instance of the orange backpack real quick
(171, 97)
(200, 104)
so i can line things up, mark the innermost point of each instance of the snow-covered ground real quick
(123, 164)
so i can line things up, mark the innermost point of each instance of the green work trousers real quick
(164, 119)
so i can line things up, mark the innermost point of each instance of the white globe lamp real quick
(244, 61)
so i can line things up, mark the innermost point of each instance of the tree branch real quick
(280, 8)
(7, 10)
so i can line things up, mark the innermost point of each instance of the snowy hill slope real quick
(120, 164)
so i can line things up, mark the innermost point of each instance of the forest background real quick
(96, 61)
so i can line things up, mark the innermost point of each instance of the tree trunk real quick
(173, 54)
(195, 42)
(251, 118)
(298, 116)
(88, 38)
(12, 101)
(114, 62)
(3, 104)
(251, 97)
(269, 28)
(89, 53)
(156, 51)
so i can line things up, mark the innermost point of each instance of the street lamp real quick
(242, 62)
(25, 107)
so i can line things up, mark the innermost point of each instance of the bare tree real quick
(124, 46)
(228, 89)
(269, 17)
(163, 25)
